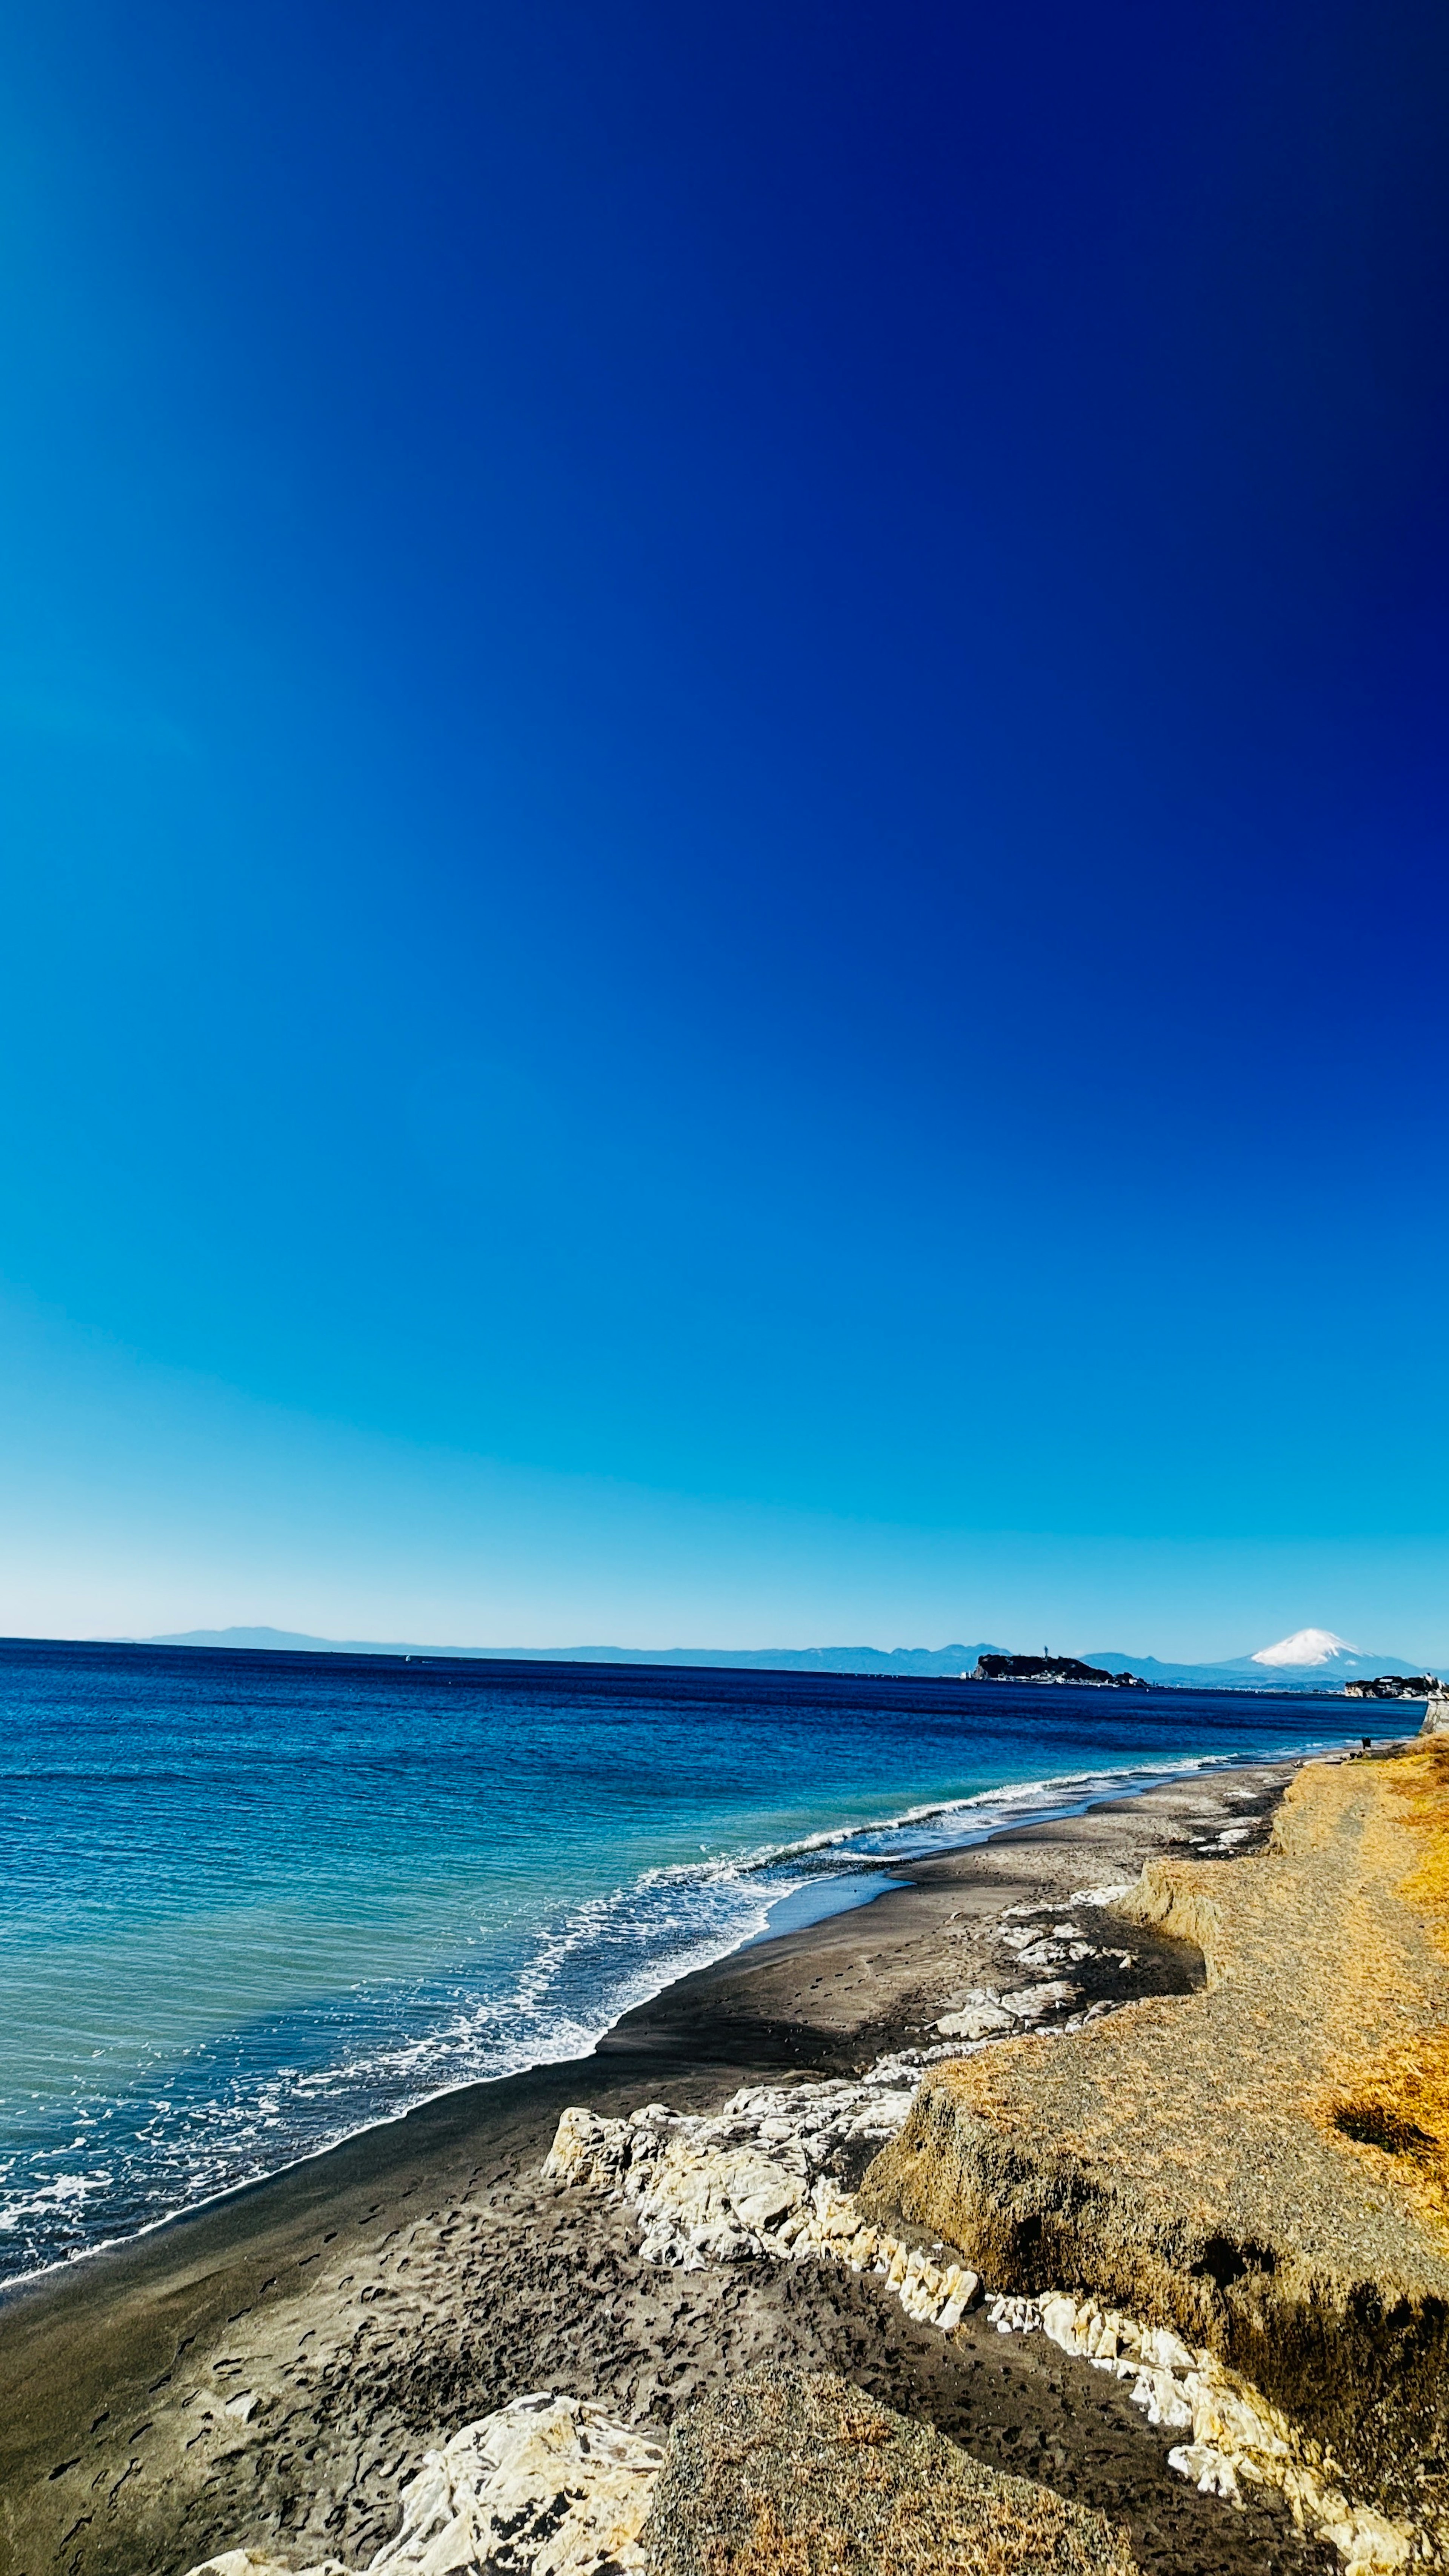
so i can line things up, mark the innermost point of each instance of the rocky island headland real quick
(1053, 1668)
(1422, 1686)
(1080, 2204)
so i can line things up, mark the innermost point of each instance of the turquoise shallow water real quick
(254, 1902)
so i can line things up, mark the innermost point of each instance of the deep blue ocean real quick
(255, 1902)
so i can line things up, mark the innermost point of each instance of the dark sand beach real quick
(267, 2371)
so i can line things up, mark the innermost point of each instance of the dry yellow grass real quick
(1425, 1788)
(1262, 2166)
(917, 2539)
(1396, 2106)
(791, 2473)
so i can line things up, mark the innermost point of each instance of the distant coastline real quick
(1327, 1672)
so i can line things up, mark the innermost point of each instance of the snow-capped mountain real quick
(1312, 1650)
(1316, 1659)
(1310, 1659)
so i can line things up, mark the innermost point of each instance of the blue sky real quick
(724, 797)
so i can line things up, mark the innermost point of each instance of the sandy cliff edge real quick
(1262, 2166)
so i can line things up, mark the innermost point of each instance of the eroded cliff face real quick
(1261, 2167)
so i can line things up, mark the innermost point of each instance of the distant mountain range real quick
(791, 1659)
(1311, 1659)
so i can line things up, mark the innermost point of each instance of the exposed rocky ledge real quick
(766, 2176)
(1259, 2169)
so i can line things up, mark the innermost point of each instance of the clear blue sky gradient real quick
(725, 780)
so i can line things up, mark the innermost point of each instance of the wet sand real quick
(267, 2371)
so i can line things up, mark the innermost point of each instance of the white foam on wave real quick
(66, 2192)
(990, 1811)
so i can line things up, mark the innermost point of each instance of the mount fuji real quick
(1312, 1659)
(1311, 1650)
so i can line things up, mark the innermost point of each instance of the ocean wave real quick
(989, 1811)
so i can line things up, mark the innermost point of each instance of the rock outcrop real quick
(546, 2487)
(1261, 2169)
(1235, 2437)
(767, 2175)
(798, 2471)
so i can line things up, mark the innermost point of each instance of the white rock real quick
(977, 2021)
(1210, 2473)
(548, 2485)
(1369, 2544)
(1029, 2002)
(1236, 2434)
(498, 2485)
(725, 2244)
(1063, 2323)
(1164, 2402)
(587, 2149)
(255, 2562)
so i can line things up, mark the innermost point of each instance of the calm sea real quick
(254, 1902)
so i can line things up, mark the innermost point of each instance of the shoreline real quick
(267, 2369)
(1044, 1814)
